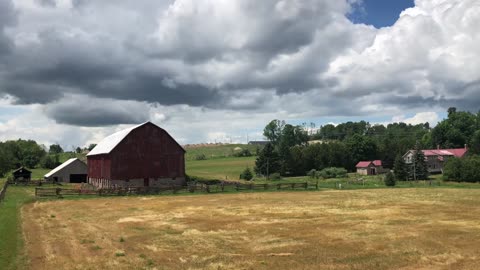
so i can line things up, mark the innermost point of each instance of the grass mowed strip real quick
(360, 229)
(220, 168)
(11, 240)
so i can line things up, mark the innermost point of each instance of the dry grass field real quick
(362, 229)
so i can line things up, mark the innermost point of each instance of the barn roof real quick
(110, 142)
(456, 152)
(61, 166)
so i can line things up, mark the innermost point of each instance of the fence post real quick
(316, 185)
(36, 192)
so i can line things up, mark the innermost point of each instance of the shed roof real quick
(22, 170)
(363, 164)
(61, 166)
(110, 142)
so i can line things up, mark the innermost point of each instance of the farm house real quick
(436, 158)
(144, 155)
(71, 171)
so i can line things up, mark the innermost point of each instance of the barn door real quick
(146, 182)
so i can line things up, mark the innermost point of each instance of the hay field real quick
(361, 229)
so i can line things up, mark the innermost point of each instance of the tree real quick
(362, 148)
(78, 150)
(419, 168)
(246, 174)
(273, 131)
(55, 149)
(400, 169)
(268, 161)
(389, 179)
(91, 146)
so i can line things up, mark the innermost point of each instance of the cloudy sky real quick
(73, 71)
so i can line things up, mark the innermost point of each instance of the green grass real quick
(220, 168)
(217, 151)
(11, 242)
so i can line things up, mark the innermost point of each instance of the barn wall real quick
(362, 171)
(76, 167)
(99, 167)
(147, 152)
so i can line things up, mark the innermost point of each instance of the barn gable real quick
(109, 143)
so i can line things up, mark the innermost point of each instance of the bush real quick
(389, 179)
(243, 153)
(203, 180)
(333, 173)
(463, 169)
(313, 174)
(200, 157)
(246, 174)
(275, 176)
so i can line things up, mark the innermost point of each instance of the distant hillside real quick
(212, 151)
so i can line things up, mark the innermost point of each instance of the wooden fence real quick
(31, 183)
(3, 191)
(202, 188)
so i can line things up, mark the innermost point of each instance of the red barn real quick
(144, 155)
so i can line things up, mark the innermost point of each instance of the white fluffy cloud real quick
(223, 68)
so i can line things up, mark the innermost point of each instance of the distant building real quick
(144, 155)
(22, 175)
(258, 142)
(370, 167)
(436, 158)
(71, 171)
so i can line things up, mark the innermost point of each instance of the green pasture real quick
(219, 168)
(218, 151)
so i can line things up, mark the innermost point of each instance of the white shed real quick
(71, 171)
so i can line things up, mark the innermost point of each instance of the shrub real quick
(275, 176)
(389, 179)
(243, 153)
(333, 173)
(246, 174)
(203, 180)
(463, 169)
(200, 157)
(313, 174)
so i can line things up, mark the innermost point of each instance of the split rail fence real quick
(201, 188)
(3, 191)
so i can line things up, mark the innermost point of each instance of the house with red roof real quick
(436, 158)
(370, 167)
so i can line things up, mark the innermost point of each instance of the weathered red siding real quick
(147, 152)
(99, 167)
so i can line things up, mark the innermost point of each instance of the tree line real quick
(30, 154)
(290, 153)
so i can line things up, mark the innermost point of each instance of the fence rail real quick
(202, 188)
(3, 191)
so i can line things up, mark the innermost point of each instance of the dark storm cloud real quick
(84, 111)
(7, 18)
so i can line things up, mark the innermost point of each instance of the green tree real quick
(55, 149)
(91, 146)
(273, 131)
(268, 161)
(78, 150)
(390, 179)
(246, 174)
(418, 168)
(400, 169)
